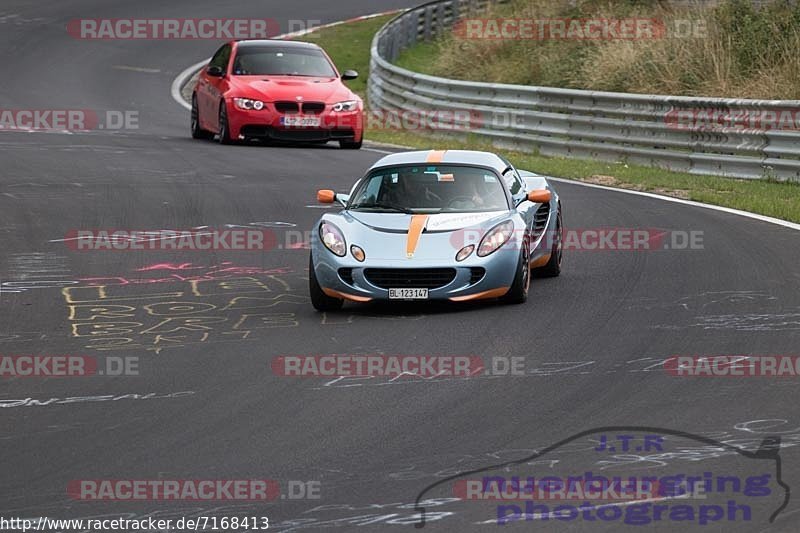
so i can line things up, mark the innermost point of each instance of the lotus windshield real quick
(430, 188)
(276, 61)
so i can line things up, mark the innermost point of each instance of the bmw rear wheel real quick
(197, 131)
(350, 145)
(224, 133)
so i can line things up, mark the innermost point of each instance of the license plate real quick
(303, 122)
(408, 294)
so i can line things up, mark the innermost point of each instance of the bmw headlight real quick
(332, 238)
(248, 105)
(349, 105)
(496, 238)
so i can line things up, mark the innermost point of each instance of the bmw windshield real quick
(282, 61)
(430, 188)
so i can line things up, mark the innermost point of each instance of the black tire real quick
(553, 267)
(197, 131)
(518, 293)
(224, 134)
(320, 300)
(351, 145)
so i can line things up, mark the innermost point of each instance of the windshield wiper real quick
(382, 205)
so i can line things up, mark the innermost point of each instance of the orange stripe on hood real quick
(415, 228)
(435, 156)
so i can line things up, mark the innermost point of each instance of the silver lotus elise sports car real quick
(436, 225)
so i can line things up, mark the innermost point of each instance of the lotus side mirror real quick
(539, 196)
(326, 196)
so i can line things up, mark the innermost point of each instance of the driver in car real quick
(410, 192)
(472, 193)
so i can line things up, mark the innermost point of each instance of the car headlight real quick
(496, 238)
(332, 238)
(248, 104)
(349, 105)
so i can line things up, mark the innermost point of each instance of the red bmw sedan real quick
(276, 90)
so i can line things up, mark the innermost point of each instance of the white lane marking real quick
(754, 216)
(145, 236)
(271, 224)
(180, 80)
(32, 130)
(376, 151)
(391, 145)
(137, 69)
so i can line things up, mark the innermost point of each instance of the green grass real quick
(348, 45)
(420, 58)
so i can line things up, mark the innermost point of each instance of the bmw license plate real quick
(302, 122)
(408, 294)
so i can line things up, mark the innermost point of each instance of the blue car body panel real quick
(383, 237)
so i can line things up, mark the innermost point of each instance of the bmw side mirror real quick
(215, 71)
(349, 75)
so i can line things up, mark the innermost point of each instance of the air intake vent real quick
(398, 278)
(287, 107)
(476, 274)
(313, 108)
(540, 220)
(347, 275)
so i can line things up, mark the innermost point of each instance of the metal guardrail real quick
(635, 128)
